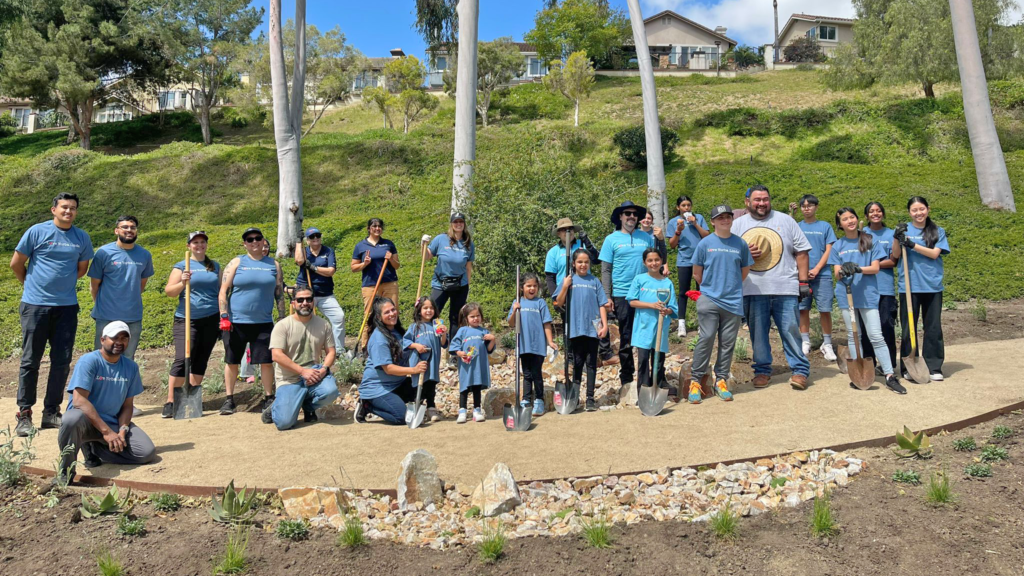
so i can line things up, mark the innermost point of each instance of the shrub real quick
(725, 522)
(597, 532)
(632, 144)
(239, 122)
(803, 49)
(978, 470)
(964, 444)
(493, 544)
(823, 522)
(351, 536)
(508, 340)
(992, 453)
(165, 502)
(980, 311)
(109, 565)
(128, 527)
(234, 560)
(12, 459)
(348, 370)
(194, 133)
(906, 477)
(940, 490)
(528, 102)
(1007, 93)
(8, 125)
(1002, 432)
(293, 530)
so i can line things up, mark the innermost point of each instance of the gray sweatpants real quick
(76, 430)
(714, 321)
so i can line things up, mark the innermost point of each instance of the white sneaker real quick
(478, 415)
(435, 416)
(806, 347)
(462, 416)
(828, 352)
(936, 377)
(682, 328)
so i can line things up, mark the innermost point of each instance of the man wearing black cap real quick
(320, 263)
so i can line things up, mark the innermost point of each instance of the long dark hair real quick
(526, 277)
(417, 312)
(931, 231)
(210, 265)
(680, 201)
(377, 323)
(655, 251)
(867, 208)
(864, 239)
(468, 309)
(575, 255)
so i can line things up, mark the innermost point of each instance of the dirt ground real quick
(885, 528)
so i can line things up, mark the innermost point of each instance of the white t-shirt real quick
(782, 279)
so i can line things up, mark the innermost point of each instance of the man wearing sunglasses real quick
(303, 349)
(251, 285)
(317, 264)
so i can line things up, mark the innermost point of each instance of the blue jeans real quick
(329, 307)
(760, 311)
(290, 398)
(391, 406)
(869, 323)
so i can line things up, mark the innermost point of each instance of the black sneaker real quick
(893, 383)
(267, 417)
(591, 405)
(90, 457)
(309, 416)
(228, 407)
(50, 420)
(360, 415)
(24, 426)
(168, 411)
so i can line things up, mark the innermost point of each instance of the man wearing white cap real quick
(98, 418)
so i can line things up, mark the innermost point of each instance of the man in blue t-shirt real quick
(119, 273)
(320, 263)
(98, 419)
(48, 261)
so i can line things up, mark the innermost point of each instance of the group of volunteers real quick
(758, 268)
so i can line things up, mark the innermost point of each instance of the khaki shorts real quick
(387, 290)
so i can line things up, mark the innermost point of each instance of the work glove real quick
(425, 239)
(900, 235)
(849, 269)
(805, 291)
(225, 323)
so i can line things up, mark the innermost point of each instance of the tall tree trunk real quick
(989, 164)
(465, 105)
(576, 115)
(204, 122)
(929, 89)
(656, 203)
(287, 127)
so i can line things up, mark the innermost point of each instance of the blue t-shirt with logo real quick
(864, 287)
(554, 263)
(534, 314)
(645, 323)
(625, 253)
(425, 333)
(252, 291)
(476, 372)
(120, 273)
(451, 259)
(723, 260)
(926, 274)
(688, 238)
(108, 384)
(53, 257)
(886, 276)
(586, 298)
(322, 285)
(377, 253)
(205, 290)
(376, 382)
(820, 234)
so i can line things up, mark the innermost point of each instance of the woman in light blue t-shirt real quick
(684, 232)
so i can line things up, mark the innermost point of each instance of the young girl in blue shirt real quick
(472, 343)
(643, 297)
(427, 336)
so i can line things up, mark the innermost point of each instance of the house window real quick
(536, 67)
(21, 116)
(114, 113)
(442, 63)
(822, 33)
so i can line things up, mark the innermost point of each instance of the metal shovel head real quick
(652, 400)
(418, 415)
(861, 373)
(188, 402)
(517, 418)
(841, 359)
(917, 369)
(567, 398)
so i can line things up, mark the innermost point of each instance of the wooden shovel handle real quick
(188, 308)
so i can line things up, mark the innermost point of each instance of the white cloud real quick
(749, 21)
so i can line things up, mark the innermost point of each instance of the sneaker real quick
(525, 404)
(478, 415)
(462, 416)
(24, 427)
(228, 407)
(906, 376)
(89, 456)
(309, 416)
(806, 347)
(250, 380)
(538, 407)
(682, 328)
(267, 416)
(434, 415)
(694, 396)
(798, 382)
(359, 417)
(828, 352)
(168, 411)
(761, 380)
(935, 377)
(50, 420)
(893, 383)
(722, 390)
(878, 371)
(591, 405)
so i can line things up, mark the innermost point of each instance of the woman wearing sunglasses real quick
(252, 283)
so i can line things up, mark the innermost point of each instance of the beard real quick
(304, 311)
(126, 239)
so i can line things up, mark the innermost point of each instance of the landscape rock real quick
(418, 481)
(498, 493)
(314, 503)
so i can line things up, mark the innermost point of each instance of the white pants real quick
(329, 307)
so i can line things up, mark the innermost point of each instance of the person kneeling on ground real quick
(100, 401)
(386, 385)
(302, 346)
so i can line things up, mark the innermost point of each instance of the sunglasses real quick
(629, 213)
(252, 239)
(314, 236)
(304, 300)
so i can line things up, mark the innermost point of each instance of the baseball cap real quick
(250, 231)
(719, 210)
(458, 216)
(115, 328)
(192, 235)
(311, 231)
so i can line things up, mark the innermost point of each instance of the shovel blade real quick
(566, 398)
(652, 399)
(508, 417)
(418, 416)
(841, 354)
(861, 373)
(523, 418)
(188, 402)
(917, 369)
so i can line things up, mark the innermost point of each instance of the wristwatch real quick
(124, 428)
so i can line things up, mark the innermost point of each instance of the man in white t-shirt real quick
(776, 284)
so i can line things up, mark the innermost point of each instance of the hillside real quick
(781, 129)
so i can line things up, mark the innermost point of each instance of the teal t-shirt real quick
(554, 263)
(53, 257)
(926, 274)
(645, 323)
(109, 385)
(723, 260)
(476, 372)
(534, 314)
(864, 287)
(376, 382)
(451, 259)
(425, 333)
(886, 276)
(120, 273)
(205, 290)
(625, 253)
(820, 234)
(585, 300)
(688, 238)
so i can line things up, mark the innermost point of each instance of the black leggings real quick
(645, 356)
(584, 353)
(927, 308)
(205, 333)
(685, 275)
(533, 376)
(464, 397)
(458, 300)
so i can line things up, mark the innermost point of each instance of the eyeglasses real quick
(252, 239)
(629, 213)
(303, 300)
(314, 236)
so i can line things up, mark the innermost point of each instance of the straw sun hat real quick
(771, 247)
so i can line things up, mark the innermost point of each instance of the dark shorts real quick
(257, 336)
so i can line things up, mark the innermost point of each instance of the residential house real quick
(676, 42)
(535, 67)
(829, 31)
(373, 76)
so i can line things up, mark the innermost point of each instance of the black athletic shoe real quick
(893, 383)
(24, 427)
(228, 407)
(267, 417)
(90, 457)
(591, 405)
(309, 416)
(50, 420)
(360, 415)
(168, 411)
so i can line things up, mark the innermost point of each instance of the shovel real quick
(860, 371)
(188, 399)
(652, 399)
(369, 306)
(841, 354)
(416, 411)
(916, 367)
(567, 395)
(517, 417)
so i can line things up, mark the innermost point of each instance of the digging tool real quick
(188, 399)
(369, 306)
(651, 399)
(567, 394)
(841, 354)
(417, 410)
(423, 263)
(517, 417)
(860, 370)
(915, 365)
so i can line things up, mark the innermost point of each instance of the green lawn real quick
(533, 166)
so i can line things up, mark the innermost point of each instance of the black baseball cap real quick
(719, 210)
(250, 231)
(193, 235)
(458, 216)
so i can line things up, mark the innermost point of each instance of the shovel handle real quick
(369, 303)
(853, 324)
(910, 305)
(423, 263)
(188, 310)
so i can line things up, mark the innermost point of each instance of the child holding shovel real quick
(587, 322)
(652, 295)
(535, 336)
(821, 236)
(472, 344)
(855, 261)
(427, 335)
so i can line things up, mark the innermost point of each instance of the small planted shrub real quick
(992, 453)
(597, 532)
(978, 470)
(111, 503)
(293, 530)
(692, 343)
(128, 527)
(823, 522)
(980, 311)
(940, 490)
(632, 145)
(725, 523)
(906, 477)
(493, 545)
(965, 444)
(234, 559)
(13, 458)
(1002, 432)
(742, 350)
(913, 445)
(508, 340)
(351, 536)
(473, 512)
(234, 507)
(165, 502)
(109, 565)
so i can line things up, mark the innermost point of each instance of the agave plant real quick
(112, 503)
(913, 445)
(235, 507)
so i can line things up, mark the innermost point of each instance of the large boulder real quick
(495, 399)
(418, 480)
(317, 504)
(498, 493)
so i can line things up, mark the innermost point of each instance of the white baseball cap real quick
(115, 328)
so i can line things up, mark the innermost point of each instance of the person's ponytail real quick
(208, 264)
(930, 234)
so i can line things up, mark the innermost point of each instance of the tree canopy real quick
(498, 63)
(574, 79)
(578, 25)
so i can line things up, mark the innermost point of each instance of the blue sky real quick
(375, 28)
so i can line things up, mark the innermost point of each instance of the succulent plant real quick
(235, 507)
(112, 503)
(913, 445)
